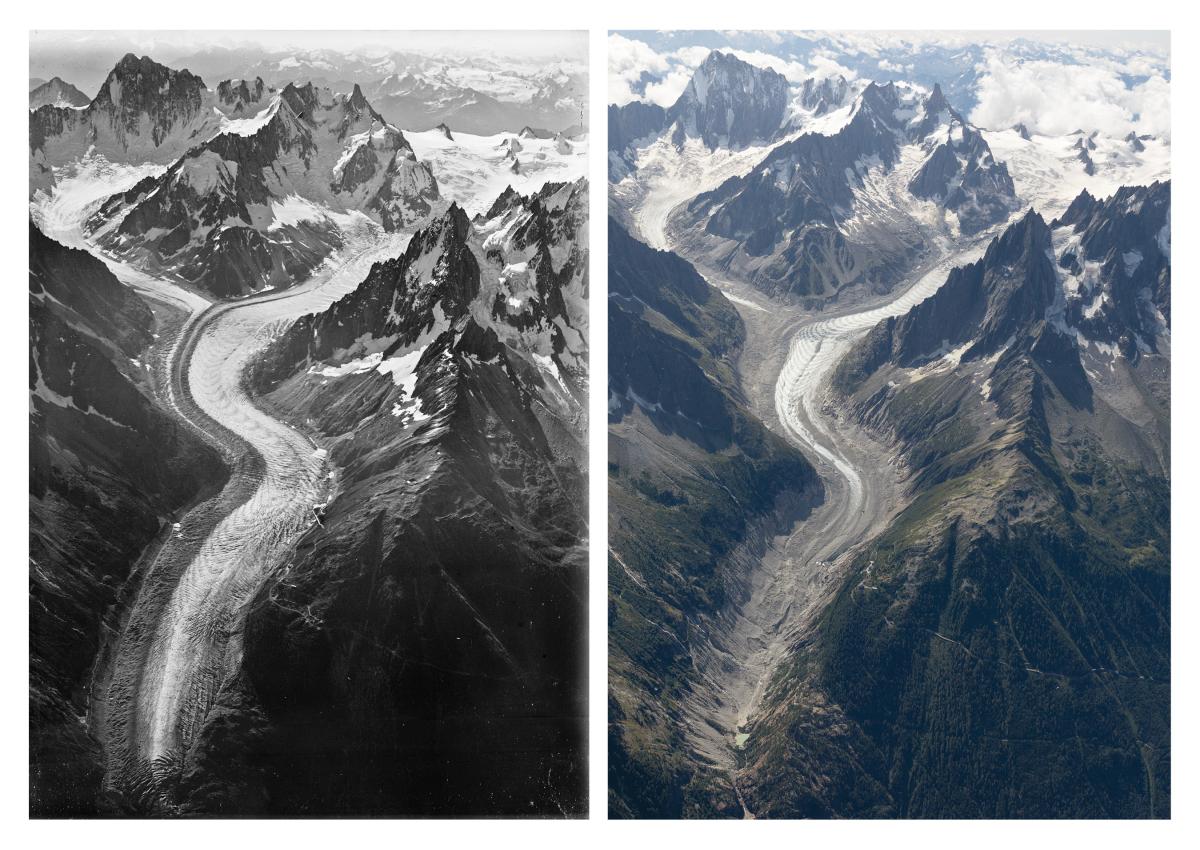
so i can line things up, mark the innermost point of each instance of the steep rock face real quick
(633, 121)
(241, 96)
(108, 468)
(427, 633)
(730, 103)
(693, 476)
(787, 223)
(961, 174)
(1003, 649)
(1115, 256)
(144, 112)
(982, 305)
(59, 93)
(820, 96)
(247, 210)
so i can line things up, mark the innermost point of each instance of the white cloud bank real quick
(1048, 95)
(627, 59)
(1056, 98)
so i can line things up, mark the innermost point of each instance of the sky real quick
(1052, 81)
(519, 43)
(84, 58)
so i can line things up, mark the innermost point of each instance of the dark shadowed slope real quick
(697, 487)
(108, 469)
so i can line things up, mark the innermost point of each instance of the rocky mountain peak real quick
(302, 99)
(729, 102)
(57, 92)
(981, 306)
(961, 172)
(358, 100)
(138, 85)
(506, 199)
(880, 100)
(824, 95)
(1019, 241)
(237, 94)
(936, 113)
(1078, 209)
(1115, 261)
(937, 101)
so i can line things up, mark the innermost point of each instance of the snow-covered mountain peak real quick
(730, 103)
(57, 92)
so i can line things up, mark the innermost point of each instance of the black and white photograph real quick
(308, 382)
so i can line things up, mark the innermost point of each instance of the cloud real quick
(795, 72)
(1056, 98)
(894, 67)
(691, 56)
(627, 60)
(826, 66)
(637, 72)
(666, 91)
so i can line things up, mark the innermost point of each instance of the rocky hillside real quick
(427, 631)
(1003, 649)
(695, 482)
(108, 470)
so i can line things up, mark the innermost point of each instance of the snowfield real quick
(474, 170)
(1048, 176)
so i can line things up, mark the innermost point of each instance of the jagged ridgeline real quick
(795, 224)
(259, 187)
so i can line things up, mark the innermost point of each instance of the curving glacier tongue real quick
(197, 643)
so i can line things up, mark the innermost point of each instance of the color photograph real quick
(889, 425)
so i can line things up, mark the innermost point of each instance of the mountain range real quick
(792, 224)
(435, 608)
(258, 207)
(417, 91)
(869, 320)
(447, 385)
